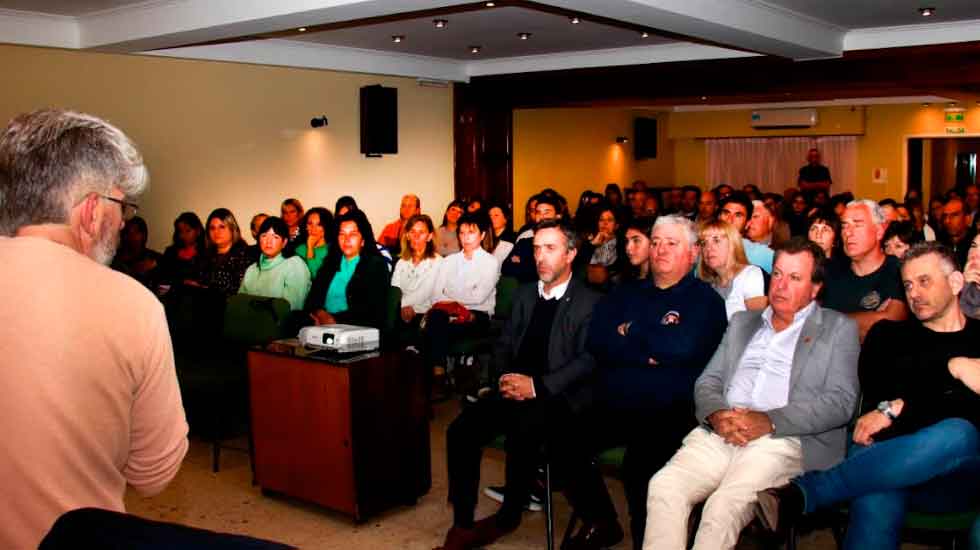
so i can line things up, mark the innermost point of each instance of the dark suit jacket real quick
(367, 293)
(570, 365)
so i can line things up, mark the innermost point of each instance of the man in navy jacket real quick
(651, 340)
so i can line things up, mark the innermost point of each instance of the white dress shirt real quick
(556, 293)
(471, 282)
(761, 382)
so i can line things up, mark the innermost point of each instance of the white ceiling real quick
(73, 8)
(494, 30)
(852, 14)
(795, 29)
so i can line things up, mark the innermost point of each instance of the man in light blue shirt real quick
(736, 209)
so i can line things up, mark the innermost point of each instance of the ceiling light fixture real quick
(575, 20)
(523, 35)
(301, 29)
(927, 12)
(489, 4)
(704, 98)
(440, 23)
(927, 104)
(475, 49)
(622, 139)
(396, 38)
(319, 122)
(644, 34)
(951, 104)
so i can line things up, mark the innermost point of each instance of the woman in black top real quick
(133, 257)
(226, 256)
(365, 292)
(182, 259)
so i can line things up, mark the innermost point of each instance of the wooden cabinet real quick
(351, 437)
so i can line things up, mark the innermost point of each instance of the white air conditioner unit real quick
(784, 118)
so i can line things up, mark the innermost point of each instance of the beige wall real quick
(235, 135)
(572, 150)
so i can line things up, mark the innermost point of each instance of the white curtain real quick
(774, 163)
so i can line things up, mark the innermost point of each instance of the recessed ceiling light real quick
(440, 23)
(475, 49)
(951, 104)
(704, 98)
(489, 4)
(927, 12)
(644, 34)
(927, 104)
(301, 29)
(523, 35)
(396, 38)
(575, 20)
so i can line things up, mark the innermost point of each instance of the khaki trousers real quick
(724, 477)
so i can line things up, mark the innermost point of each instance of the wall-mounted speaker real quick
(379, 120)
(645, 136)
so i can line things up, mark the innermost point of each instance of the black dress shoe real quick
(780, 508)
(596, 536)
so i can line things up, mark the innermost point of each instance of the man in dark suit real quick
(545, 384)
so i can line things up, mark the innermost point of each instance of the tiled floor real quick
(227, 501)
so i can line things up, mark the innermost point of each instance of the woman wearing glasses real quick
(725, 267)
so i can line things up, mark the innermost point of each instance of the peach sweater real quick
(90, 398)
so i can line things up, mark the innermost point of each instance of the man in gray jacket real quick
(773, 401)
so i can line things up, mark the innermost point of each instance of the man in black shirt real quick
(869, 287)
(814, 176)
(542, 352)
(916, 446)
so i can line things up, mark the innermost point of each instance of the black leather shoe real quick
(780, 508)
(596, 536)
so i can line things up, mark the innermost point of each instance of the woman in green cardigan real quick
(352, 285)
(274, 276)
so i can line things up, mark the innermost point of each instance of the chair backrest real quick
(393, 310)
(255, 320)
(505, 297)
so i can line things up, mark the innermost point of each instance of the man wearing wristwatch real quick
(916, 447)
(773, 402)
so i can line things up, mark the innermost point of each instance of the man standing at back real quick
(93, 403)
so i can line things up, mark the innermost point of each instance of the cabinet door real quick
(301, 429)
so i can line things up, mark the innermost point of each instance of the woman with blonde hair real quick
(725, 267)
(415, 273)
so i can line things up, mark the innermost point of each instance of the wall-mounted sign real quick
(955, 118)
(879, 175)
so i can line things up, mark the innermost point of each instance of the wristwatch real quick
(885, 408)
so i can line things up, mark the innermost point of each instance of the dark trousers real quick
(651, 437)
(528, 426)
(439, 332)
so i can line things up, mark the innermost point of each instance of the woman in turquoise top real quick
(317, 224)
(352, 285)
(274, 276)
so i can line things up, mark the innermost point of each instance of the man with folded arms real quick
(773, 401)
(916, 445)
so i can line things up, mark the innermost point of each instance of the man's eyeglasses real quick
(128, 209)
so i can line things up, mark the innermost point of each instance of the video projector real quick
(340, 338)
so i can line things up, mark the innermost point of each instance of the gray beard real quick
(104, 249)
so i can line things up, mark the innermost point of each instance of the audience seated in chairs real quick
(253, 249)
(275, 276)
(291, 213)
(447, 241)
(970, 295)
(603, 238)
(133, 257)
(545, 367)
(391, 236)
(869, 287)
(352, 286)
(520, 263)
(637, 249)
(182, 260)
(774, 400)
(737, 210)
(500, 222)
(317, 229)
(464, 293)
(898, 237)
(225, 259)
(724, 266)
(824, 229)
(916, 445)
(415, 274)
(651, 339)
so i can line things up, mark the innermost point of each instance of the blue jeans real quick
(936, 469)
